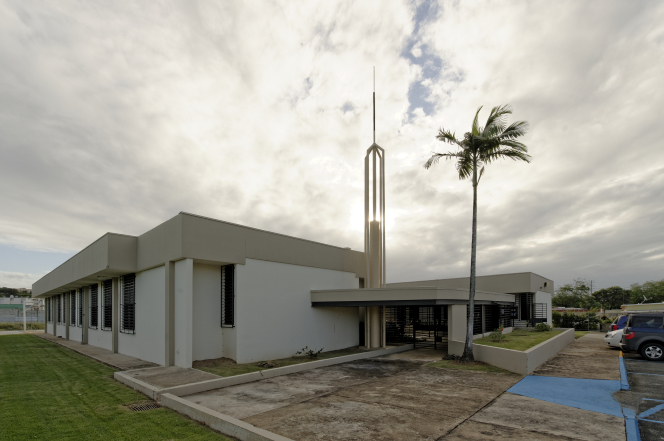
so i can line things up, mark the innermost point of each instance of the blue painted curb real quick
(631, 425)
(624, 383)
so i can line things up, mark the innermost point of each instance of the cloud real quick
(116, 117)
(17, 280)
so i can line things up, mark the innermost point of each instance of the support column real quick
(114, 313)
(169, 318)
(183, 309)
(45, 316)
(86, 315)
(456, 328)
(67, 301)
(376, 333)
(54, 315)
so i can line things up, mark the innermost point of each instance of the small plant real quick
(497, 335)
(542, 327)
(310, 352)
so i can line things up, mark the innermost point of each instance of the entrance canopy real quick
(407, 296)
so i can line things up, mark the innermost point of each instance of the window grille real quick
(107, 305)
(79, 313)
(424, 326)
(59, 305)
(477, 320)
(72, 308)
(128, 304)
(49, 307)
(228, 296)
(508, 312)
(94, 306)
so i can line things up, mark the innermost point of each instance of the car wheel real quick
(652, 351)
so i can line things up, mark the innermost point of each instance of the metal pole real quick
(25, 328)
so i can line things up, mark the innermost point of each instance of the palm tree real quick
(481, 146)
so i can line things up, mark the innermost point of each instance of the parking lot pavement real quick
(588, 357)
(570, 397)
(646, 395)
(385, 398)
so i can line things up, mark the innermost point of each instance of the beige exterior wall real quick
(505, 283)
(188, 236)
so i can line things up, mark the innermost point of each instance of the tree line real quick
(6, 292)
(578, 295)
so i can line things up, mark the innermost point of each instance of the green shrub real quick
(497, 335)
(542, 327)
(579, 321)
(310, 352)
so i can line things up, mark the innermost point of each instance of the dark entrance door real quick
(423, 326)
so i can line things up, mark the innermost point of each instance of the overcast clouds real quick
(116, 117)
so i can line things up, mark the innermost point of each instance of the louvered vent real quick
(228, 296)
(128, 306)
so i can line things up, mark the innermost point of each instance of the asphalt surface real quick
(646, 395)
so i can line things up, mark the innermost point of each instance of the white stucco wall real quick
(274, 316)
(207, 330)
(75, 333)
(60, 330)
(184, 312)
(148, 343)
(544, 297)
(99, 338)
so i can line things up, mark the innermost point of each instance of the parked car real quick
(612, 338)
(619, 323)
(644, 333)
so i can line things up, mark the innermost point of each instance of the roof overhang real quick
(410, 296)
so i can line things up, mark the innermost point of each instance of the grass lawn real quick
(519, 340)
(50, 392)
(579, 334)
(225, 367)
(476, 366)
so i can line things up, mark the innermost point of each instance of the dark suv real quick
(645, 333)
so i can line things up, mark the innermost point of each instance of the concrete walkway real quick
(117, 361)
(392, 397)
(36, 331)
(570, 397)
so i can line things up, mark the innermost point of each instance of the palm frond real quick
(475, 129)
(495, 123)
(447, 136)
(516, 155)
(436, 157)
(515, 130)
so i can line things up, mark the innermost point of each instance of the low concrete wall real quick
(192, 388)
(218, 421)
(521, 362)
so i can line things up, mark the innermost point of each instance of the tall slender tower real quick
(374, 231)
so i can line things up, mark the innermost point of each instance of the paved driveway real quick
(570, 397)
(396, 397)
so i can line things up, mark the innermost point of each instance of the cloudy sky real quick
(115, 117)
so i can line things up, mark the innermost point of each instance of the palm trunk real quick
(468, 348)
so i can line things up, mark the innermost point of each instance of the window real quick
(59, 306)
(228, 296)
(72, 308)
(79, 311)
(646, 322)
(49, 310)
(94, 306)
(128, 305)
(107, 305)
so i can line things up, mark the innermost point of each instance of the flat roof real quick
(407, 296)
(188, 236)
